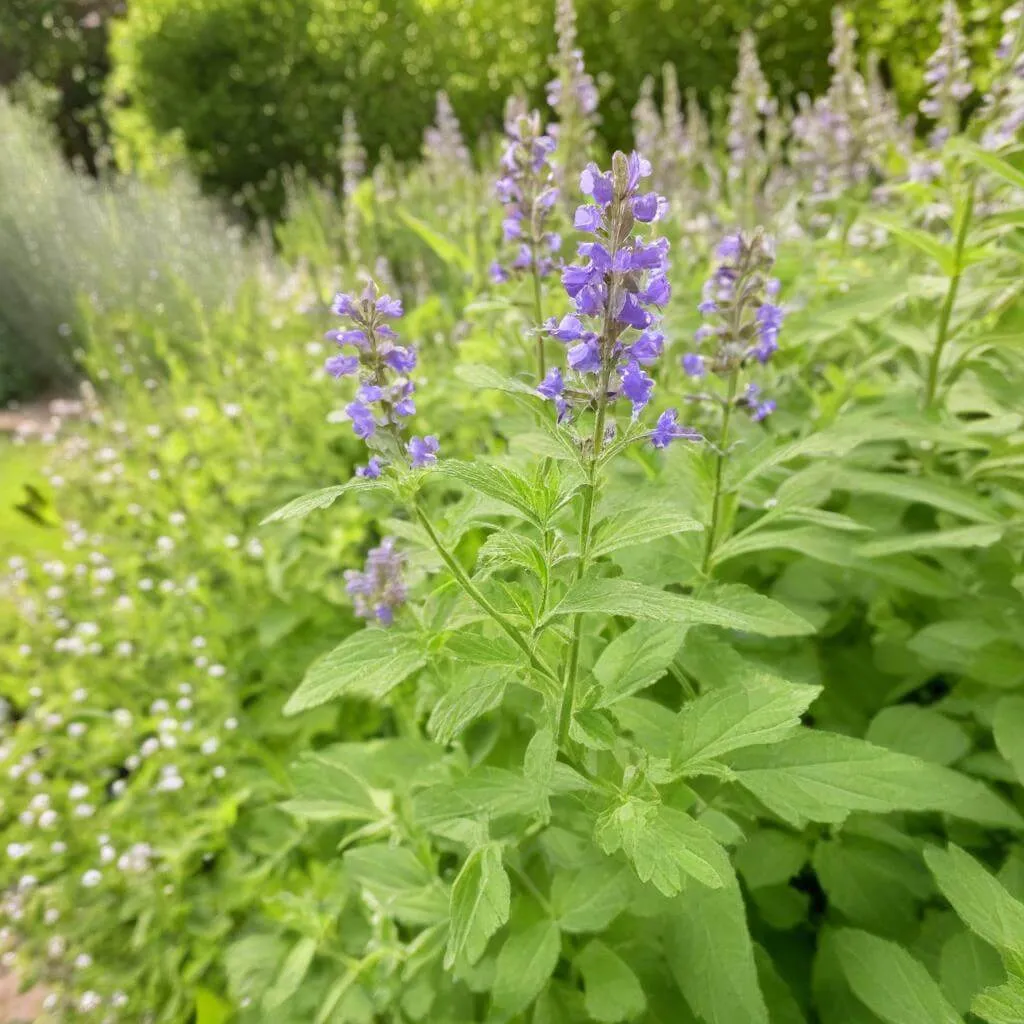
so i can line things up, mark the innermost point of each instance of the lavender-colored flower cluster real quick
(947, 75)
(444, 148)
(527, 191)
(379, 589)
(1003, 110)
(385, 392)
(617, 292)
(742, 318)
(751, 104)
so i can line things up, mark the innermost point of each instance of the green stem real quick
(582, 561)
(723, 444)
(538, 315)
(474, 592)
(945, 316)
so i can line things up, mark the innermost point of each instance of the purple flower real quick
(401, 360)
(648, 207)
(585, 357)
(588, 218)
(668, 429)
(355, 337)
(762, 410)
(370, 393)
(423, 451)
(379, 589)
(388, 306)
(499, 275)
(512, 227)
(597, 185)
(648, 347)
(650, 257)
(657, 292)
(569, 328)
(343, 305)
(363, 422)
(693, 364)
(632, 313)
(729, 248)
(342, 366)
(372, 470)
(636, 386)
(552, 386)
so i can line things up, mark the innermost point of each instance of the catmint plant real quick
(1002, 113)
(947, 76)
(528, 193)
(740, 332)
(572, 95)
(445, 152)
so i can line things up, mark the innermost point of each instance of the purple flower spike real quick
(363, 422)
(342, 366)
(343, 305)
(668, 429)
(597, 185)
(379, 589)
(648, 208)
(388, 306)
(423, 451)
(569, 328)
(401, 360)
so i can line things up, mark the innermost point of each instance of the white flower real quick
(56, 947)
(48, 819)
(124, 603)
(90, 880)
(76, 729)
(15, 851)
(80, 694)
(210, 746)
(79, 791)
(107, 854)
(145, 583)
(165, 544)
(27, 818)
(232, 410)
(90, 1001)
(183, 704)
(122, 717)
(58, 847)
(231, 541)
(52, 915)
(219, 772)
(177, 518)
(84, 811)
(231, 724)
(159, 707)
(217, 671)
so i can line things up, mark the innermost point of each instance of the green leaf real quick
(712, 957)
(526, 961)
(941, 253)
(758, 710)
(935, 540)
(501, 485)
(983, 158)
(486, 378)
(477, 649)
(480, 904)
(636, 659)
(210, 1008)
(589, 899)
(967, 965)
(890, 982)
(921, 732)
(1003, 1004)
(958, 501)
(980, 900)
(368, 664)
(611, 989)
(729, 606)
(820, 776)
(483, 793)
(302, 507)
(399, 882)
(472, 696)
(330, 791)
(770, 858)
(293, 971)
(444, 248)
(1008, 731)
(663, 845)
(639, 525)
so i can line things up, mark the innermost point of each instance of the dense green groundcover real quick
(727, 732)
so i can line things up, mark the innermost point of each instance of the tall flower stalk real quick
(741, 331)
(528, 192)
(947, 76)
(1002, 113)
(751, 109)
(353, 169)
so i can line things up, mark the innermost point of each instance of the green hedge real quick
(251, 86)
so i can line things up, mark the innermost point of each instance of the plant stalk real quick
(946, 315)
(723, 444)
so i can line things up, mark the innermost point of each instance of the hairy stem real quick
(946, 314)
(716, 501)
(475, 594)
(538, 314)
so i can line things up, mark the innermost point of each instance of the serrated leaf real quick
(820, 776)
(525, 963)
(327, 791)
(291, 975)
(486, 378)
(502, 485)
(589, 899)
(1002, 1004)
(477, 649)
(611, 989)
(636, 659)
(663, 845)
(1008, 732)
(890, 982)
(483, 793)
(299, 508)
(770, 858)
(979, 899)
(757, 710)
(712, 957)
(935, 540)
(368, 664)
(399, 882)
(480, 901)
(471, 697)
(730, 606)
(639, 525)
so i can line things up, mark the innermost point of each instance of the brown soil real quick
(19, 1008)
